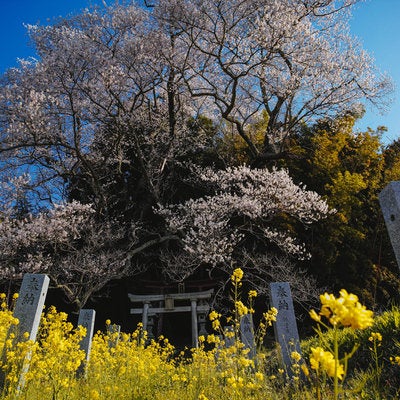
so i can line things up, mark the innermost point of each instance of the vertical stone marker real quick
(86, 319)
(29, 306)
(389, 199)
(28, 309)
(247, 334)
(285, 327)
(195, 328)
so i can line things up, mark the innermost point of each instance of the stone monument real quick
(86, 319)
(285, 326)
(247, 334)
(389, 199)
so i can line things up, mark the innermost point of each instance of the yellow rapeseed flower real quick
(213, 339)
(315, 316)
(375, 336)
(235, 382)
(322, 360)
(270, 316)
(259, 376)
(305, 370)
(241, 308)
(296, 356)
(252, 293)
(214, 318)
(94, 395)
(216, 324)
(344, 310)
(214, 315)
(245, 362)
(395, 360)
(237, 275)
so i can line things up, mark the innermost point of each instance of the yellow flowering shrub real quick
(130, 366)
(6, 321)
(47, 365)
(57, 354)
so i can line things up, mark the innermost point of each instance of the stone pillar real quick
(202, 324)
(150, 326)
(247, 334)
(86, 319)
(145, 314)
(29, 305)
(28, 310)
(285, 327)
(195, 332)
(389, 199)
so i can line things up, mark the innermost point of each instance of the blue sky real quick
(375, 22)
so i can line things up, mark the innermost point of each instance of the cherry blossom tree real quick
(108, 121)
(67, 242)
(240, 216)
(293, 59)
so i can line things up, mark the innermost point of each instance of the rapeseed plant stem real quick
(344, 311)
(376, 339)
(336, 358)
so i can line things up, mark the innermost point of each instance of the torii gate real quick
(198, 306)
